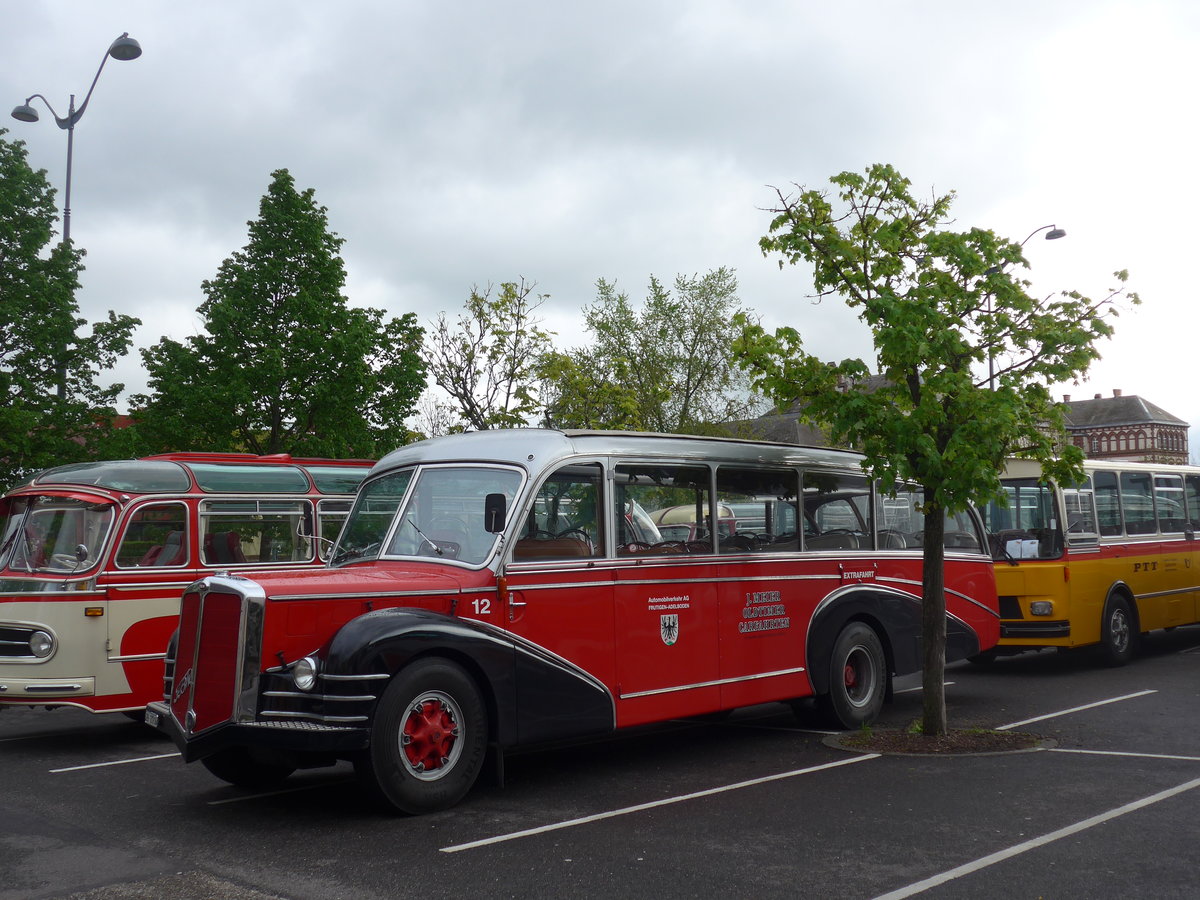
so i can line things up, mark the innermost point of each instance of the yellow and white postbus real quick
(1097, 563)
(95, 556)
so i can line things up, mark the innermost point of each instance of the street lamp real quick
(1053, 233)
(123, 48)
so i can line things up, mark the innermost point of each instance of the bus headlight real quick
(41, 644)
(1041, 608)
(304, 673)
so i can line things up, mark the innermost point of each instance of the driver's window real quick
(564, 521)
(663, 509)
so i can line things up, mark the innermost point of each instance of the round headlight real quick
(304, 673)
(41, 644)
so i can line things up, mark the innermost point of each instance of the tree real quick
(667, 368)
(940, 305)
(284, 364)
(487, 364)
(53, 409)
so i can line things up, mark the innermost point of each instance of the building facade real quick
(1126, 428)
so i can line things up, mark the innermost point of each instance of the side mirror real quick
(494, 513)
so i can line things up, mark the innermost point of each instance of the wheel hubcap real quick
(430, 741)
(858, 676)
(1118, 627)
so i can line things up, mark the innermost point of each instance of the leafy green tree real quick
(940, 305)
(486, 364)
(667, 367)
(284, 364)
(53, 409)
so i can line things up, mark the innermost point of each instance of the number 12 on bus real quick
(508, 588)
(1098, 563)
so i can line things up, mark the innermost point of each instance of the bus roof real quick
(538, 448)
(173, 473)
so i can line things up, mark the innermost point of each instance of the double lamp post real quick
(123, 48)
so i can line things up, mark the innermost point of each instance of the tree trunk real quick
(933, 623)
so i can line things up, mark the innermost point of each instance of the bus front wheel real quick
(1117, 632)
(428, 739)
(857, 677)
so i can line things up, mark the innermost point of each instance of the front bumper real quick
(293, 737)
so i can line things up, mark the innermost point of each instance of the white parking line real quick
(1074, 709)
(115, 762)
(1126, 753)
(914, 690)
(584, 820)
(1035, 843)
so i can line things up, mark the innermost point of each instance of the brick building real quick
(1128, 428)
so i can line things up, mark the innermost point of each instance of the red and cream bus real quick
(1098, 563)
(94, 558)
(504, 589)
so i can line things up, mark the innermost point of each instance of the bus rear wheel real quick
(857, 677)
(428, 739)
(1117, 633)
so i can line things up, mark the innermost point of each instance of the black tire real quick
(986, 658)
(1118, 633)
(242, 767)
(857, 678)
(428, 740)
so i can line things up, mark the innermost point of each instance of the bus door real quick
(559, 589)
(762, 612)
(668, 659)
(145, 579)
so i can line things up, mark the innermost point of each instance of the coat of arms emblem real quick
(668, 628)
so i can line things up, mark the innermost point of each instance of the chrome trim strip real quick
(137, 657)
(51, 688)
(375, 595)
(332, 697)
(720, 681)
(312, 717)
(1154, 594)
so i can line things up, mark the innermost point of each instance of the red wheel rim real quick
(430, 739)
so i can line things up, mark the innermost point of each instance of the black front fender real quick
(532, 695)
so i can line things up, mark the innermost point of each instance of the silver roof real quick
(536, 449)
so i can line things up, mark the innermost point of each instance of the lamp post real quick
(1053, 233)
(123, 48)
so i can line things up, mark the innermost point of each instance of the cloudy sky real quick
(467, 143)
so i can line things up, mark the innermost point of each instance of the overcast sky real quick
(467, 143)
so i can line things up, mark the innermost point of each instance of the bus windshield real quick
(442, 515)
(1026, 525)
(53, 534)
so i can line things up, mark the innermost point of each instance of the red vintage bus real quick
(509, 588)
(94, 557)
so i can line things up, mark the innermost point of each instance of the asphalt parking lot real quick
(100, 807)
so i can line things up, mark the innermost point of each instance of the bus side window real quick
(839, 508)
(1192, 496)
(762, 510)
(1168, 499)
(564, 522)
(1137, 503)
(1108, 502)
(156, 535)
(1082, 527)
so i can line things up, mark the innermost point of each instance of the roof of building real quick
(1100, 412)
